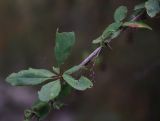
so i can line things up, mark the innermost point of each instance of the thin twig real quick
(92, 56)
(97, 51)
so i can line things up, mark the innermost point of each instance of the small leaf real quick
(58, 105)
(120, 13)
(41, 109)
(139, 6)
(106, 34)
(111, 29)
(64, 44)
(29, 77)
(152, 7)
(82, 84)
(28, 113)
(73, 69)
(115, 34)
(85, 83)
(134, 24)
(56, 70)
(98, 40)
(50, 91)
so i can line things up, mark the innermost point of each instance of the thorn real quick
(109, 46)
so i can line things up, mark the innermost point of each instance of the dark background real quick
(127, 82)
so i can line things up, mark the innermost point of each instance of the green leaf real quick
(41, 109)
(82, 84)
(115, 34)
(50, 91)
(38, 105)
(152, 7)
(56, 70)
(98, 40)
(106, 35)
(111, 29)
(29, 77)
(139, 6)
(28, 114)
(73, 69)
(111, 32)
(85, 83)
(65, 91)
(64, 44)
(134, 24)
(120, 13)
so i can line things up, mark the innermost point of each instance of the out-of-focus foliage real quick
(153, 7)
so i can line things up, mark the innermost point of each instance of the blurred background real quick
(127, 81)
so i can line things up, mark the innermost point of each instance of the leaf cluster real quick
(120, 14)
(152, 7)
(53, 82)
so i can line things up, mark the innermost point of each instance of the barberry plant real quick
(56, 84)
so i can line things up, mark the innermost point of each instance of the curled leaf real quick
(82, 84)
(134, 24)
